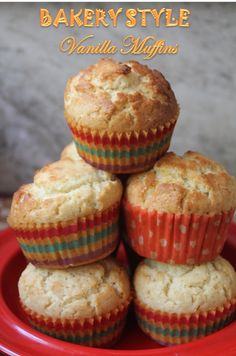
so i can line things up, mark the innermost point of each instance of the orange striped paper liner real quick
(125, 152)
(172, 328)
(71, 243)
(100, 331)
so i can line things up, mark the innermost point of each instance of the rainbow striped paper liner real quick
(100, 331)
(122, 152)
(71, 243)
(173, 329)
(176, 239)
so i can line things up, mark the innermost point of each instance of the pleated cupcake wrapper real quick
(122, 152)
(171, 328)
(176, 239)
(71, 243)
(100, 331)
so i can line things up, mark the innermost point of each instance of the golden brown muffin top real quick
(62, 191)
(184, 184)
(78, 292)
(120, 97)
(185, 289)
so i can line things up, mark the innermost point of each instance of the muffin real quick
(70, 152)
(121, 115)
(85, 305)
(175, 304)
(68, 216)
(180, 210)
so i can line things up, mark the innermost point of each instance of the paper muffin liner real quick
(71, 243)
(100, 331)
(172, 328)
(176, 239)
(122, 152)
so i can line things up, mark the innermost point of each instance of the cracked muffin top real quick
(188, 184)
(79, 292)
(185, 289)
(120, 97)
(62, 191)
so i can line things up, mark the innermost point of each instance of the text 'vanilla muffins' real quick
(180, 210)
(121, 115)
(85, 304)
(175, 304)
(68, 216)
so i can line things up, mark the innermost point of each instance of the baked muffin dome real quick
(188, 184)
(68, 216)
(120, 97)
(75, 293)
(175, 304)
(121, 115)
(85, 305)
(62, 191)
(185, 289)
(179, 212)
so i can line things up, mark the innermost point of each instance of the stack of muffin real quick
(177, 214)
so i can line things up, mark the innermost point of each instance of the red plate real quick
(18, 338)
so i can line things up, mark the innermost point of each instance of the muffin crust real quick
(62, 191)
(185, 289)
(119, 97)
(70, 152)
(188, 184)
(79, 292)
